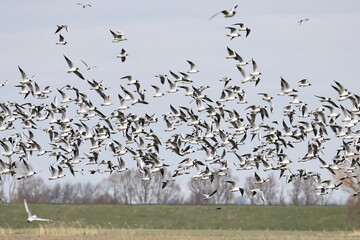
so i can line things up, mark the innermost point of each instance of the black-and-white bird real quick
(226, 13)
(118, 36)
(73, 69)
(122, 55)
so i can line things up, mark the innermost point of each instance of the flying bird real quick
(73, 69)
(32, 217)
(226, 13)
(122, 55)
(61, 40)
(84, 5)
(302, 20)
(193, 68)
(118, 36)
(60, 27)
(243, 28)
(87, 66)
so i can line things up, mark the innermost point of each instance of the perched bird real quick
(32, 217)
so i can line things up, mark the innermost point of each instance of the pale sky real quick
(162, 35)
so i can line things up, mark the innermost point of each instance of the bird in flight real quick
(73, 69)
(227, 13)
(302, 20)
(84, 5)
(33, 217)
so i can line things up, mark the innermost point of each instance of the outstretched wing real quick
(43, 219)
(27, 208)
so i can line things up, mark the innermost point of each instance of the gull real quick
(25, 79)
(226, 80)
(227, 13)
(304, 83)
(122, 55)
(84, 5)
(209, 196)
(130, 79)
(157, 91)
(259, 192)
(285, 88)
(295, 100)
(32, 217)
(241, 60)
(192, 67)
(30, 172)
(343, 92)
(255, 71)
(233, 34)
(231, 54)
(56, 174)
(73, 69)
(121, 166)
(60, 27)
(135, 100)
(61, 40)
(4, 83)
(173, 87)
(162, 77)
(246, 78)
(302, 20)
(234, 188)
(259, 180)
(327, 99)
(268, 99)
(87, 66)
(332, 114)
(242, 28)
(118, 36)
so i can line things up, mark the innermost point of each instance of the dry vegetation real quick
(80, 233)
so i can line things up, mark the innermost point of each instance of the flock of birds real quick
(81, 129)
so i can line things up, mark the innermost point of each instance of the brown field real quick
(62, 233)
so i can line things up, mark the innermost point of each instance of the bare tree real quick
(128, 188)
(198, 187)
(303, 192)
(32, 189)
(2, 192)
(271, 189)
(350, 180)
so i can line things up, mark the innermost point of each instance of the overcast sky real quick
(162, 35)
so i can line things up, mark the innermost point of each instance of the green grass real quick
(274, 218)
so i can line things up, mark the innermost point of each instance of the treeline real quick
(127, 188)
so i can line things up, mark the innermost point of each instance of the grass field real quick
(177, 222)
